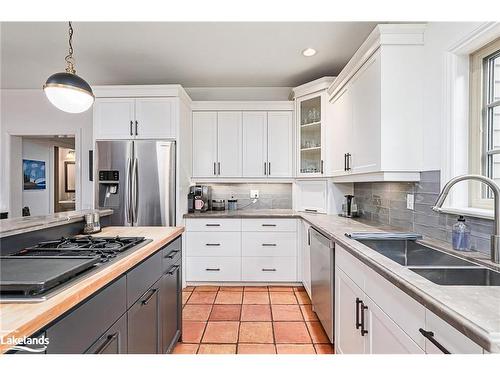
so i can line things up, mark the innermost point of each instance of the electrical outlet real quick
(254, 194)
(410, 201)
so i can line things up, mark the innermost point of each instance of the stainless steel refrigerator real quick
(137, 180)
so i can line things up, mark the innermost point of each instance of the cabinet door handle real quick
(215, 168)
(265, 169)
(172, 270)
(107, 343)
(269, 269)
(429, 335)
(131, 125)
(212, 225)
(363, 308)
(171, 254)
(322, 167)
(148, 298)
(269, 169)
(309, 236)
(268, 244)
(358, 302)
(212, 269)
(345, 162)
(348, 168)
(136, 124)
(212, 244)
(218, 168)
(268, 225)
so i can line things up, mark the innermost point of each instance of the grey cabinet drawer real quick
(142, 321)
(78, 330)
(142, 277)
(114, 340)
(171, 253)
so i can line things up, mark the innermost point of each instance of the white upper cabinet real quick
(229, 140)
(376, 109)
(114, 118)
(155, 117)
(255, 144)
(233, 144)
(205, 144)
(135, 118)
(313, 121)
(280, 144)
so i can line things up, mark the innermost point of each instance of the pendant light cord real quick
(69, 58)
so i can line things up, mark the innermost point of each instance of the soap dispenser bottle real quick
(461, 235)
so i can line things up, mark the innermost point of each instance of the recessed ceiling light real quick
(308, 52)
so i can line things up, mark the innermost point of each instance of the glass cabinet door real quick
(310, 136)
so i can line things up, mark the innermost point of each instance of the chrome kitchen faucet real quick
(495, 238)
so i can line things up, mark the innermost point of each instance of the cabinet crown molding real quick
(277, 105)
(312, 87)
(382, 35)
(135, 91)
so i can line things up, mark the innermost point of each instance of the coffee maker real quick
(349, 207)
(199, 198)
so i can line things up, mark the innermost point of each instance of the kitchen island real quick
(25, 319)
(473, 311)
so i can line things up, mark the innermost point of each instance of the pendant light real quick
(67, 91)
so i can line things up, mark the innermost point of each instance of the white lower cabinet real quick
(213, 268)
(448, 338)
(348, 338)
(252, 250)
(384, 335)
(305, 256)
(373, 316)
(269, 269)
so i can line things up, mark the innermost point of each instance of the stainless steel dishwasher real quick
(323, 279)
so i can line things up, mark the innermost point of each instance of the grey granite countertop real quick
(472, 310)
(245, 214)
(19, 225)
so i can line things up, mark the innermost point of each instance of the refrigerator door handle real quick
(135, 191)
(128, 197)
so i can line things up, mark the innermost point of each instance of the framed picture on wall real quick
(69, 176)
(33, 174)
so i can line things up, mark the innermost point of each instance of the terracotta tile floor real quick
(250, 320)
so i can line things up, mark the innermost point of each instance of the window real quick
(485, 120)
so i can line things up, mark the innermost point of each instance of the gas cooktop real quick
(36, 271)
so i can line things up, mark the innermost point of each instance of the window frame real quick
(479, 95)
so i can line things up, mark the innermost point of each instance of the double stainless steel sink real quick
(435, 265)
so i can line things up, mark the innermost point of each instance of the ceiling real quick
(207, 54)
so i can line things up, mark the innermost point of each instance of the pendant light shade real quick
(67, 91)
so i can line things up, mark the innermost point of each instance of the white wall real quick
(39, 201)
(239, 93)
(439, 38)
(28, 112)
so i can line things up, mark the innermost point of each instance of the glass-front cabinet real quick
(310, 135)
(311, 102)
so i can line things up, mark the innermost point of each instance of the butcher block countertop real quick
(24, 319)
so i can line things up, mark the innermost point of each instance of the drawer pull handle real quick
(269, 269)
(268, 244)
(212, 269)
(212, 244)
(429, 335)
(171, 254)
(172, 270)
(212, 225)
(107, 343)
(268, 225)
(148, 299)
(310, 210)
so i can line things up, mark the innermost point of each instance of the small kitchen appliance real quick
(349, 207)
(202, 195)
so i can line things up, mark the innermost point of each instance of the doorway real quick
(44, 174)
